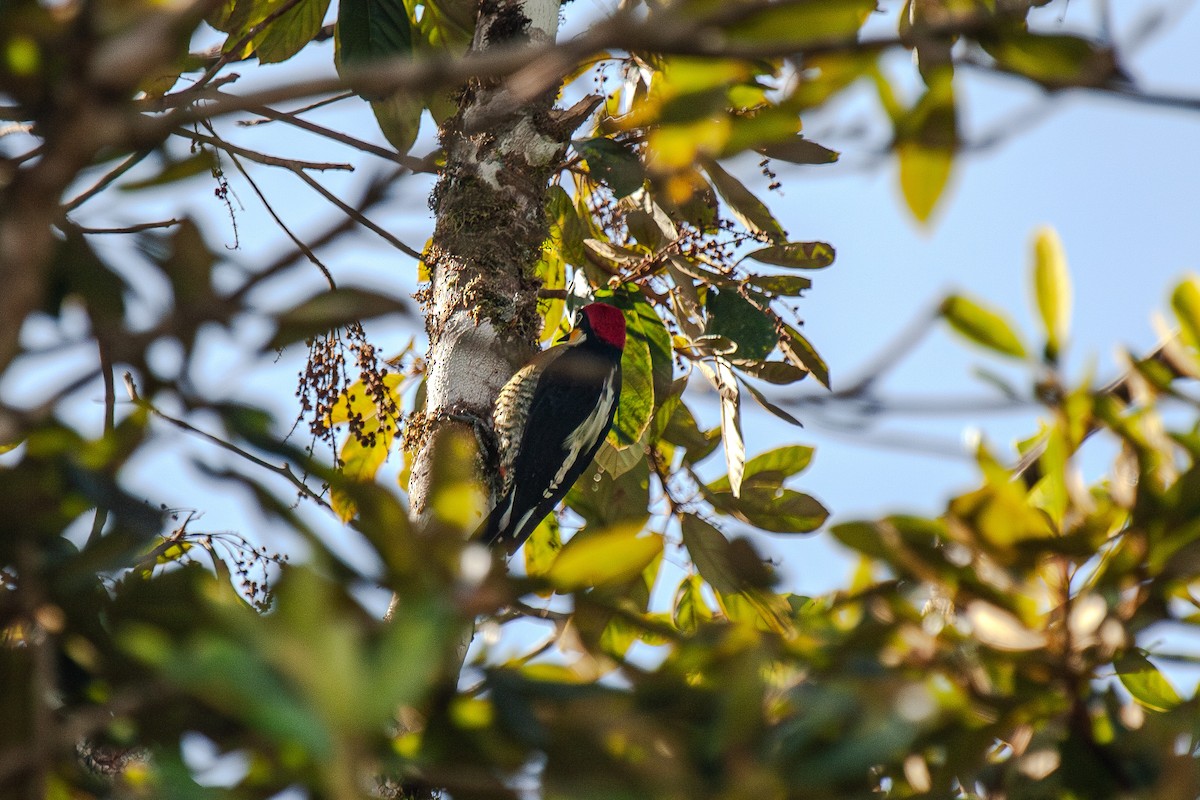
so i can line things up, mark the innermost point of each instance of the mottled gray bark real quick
(481, 307)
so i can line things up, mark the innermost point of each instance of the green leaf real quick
(763, 502)
(982, 325)
(1052, 289)
(204, 160)
(796, 255)
(748, 209)
(616, 554)
(802, 24)
(690, 611)
(604, 496)
(926, 141)
(399, 118)
(798, 350)
(737, 319)
(682, 430)
(635, 408)
(771, 468)
(542, 547)
(643, 323)
(799, 150)
(1144, 681)
(1185, 302)
(330, 310)
(368, 30)
(780, 373)
(709, 551)
(1052, 60)
(781, 285)
(761, 399)
(613, 162)
(288, 34)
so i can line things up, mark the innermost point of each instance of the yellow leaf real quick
(675, 147)
(356, 400)
(610, 556)
(995, 627)
(982, 325)
(1052, 287)
(924, 173)
(360, 462)
(1185, 302)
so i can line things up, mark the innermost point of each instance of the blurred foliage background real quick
(1008, 647)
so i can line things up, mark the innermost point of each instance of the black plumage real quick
(550, 420)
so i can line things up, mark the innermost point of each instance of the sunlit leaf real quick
(924, 173)
(720, 374)
(636, 405)
(748, 209)
(798, 350)
(781, 285)
(689, 611)
(797, 255)
(1052, 289)
(773, 509)
(610, 556)
(1185, 302)
(542, 547)
(1000, 629)
(289, 33)
(780, 373)
(1146, 683)
(770, 469)
(644, 324)
(982, 325)
(801, 24)
(1052, 59)
(675, 147)
(361, 457)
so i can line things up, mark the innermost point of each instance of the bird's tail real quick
(496, 529)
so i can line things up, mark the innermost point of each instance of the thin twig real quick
(103, 183)
(110, 403)
(375, 192)
(414, 164)
(337, 98)
(141, 226)
(304, 248)
(357, 216)
(283, 470)
(293, 164)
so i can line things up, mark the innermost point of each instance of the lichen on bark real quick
(491, 223)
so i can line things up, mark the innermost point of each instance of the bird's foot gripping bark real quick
(485, 435)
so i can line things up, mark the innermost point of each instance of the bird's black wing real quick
(554, 449)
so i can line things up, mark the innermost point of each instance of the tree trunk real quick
(481, 308)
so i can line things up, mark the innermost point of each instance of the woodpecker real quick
(550, 420)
